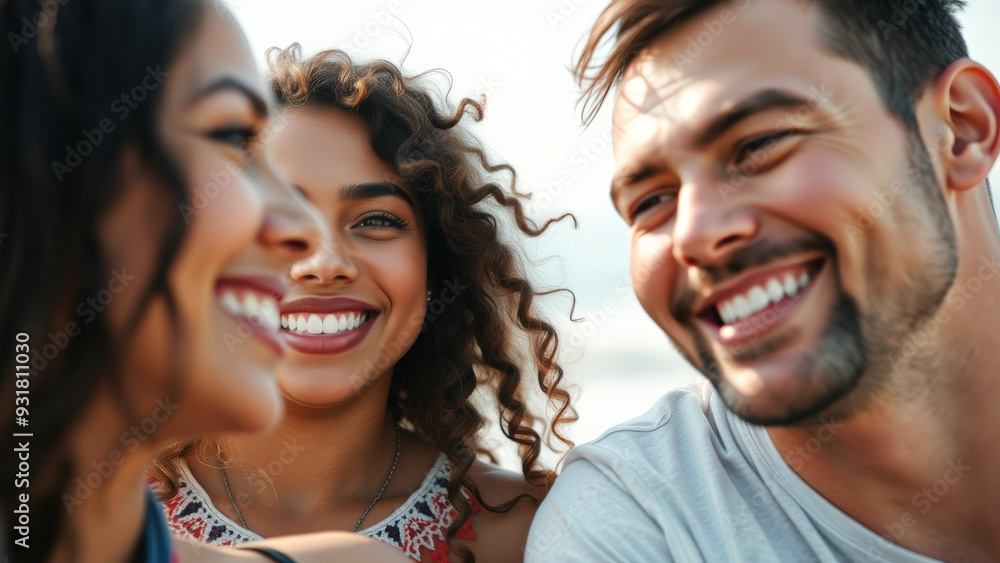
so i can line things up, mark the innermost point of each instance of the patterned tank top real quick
(418, 525)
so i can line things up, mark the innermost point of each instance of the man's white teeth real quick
(759, 297)
(257, 308)
(323, 324)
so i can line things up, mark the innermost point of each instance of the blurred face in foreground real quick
(745, 174)
(245, 229)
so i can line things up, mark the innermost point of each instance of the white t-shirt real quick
(691, 481)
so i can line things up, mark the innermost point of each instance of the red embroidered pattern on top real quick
(421, 523)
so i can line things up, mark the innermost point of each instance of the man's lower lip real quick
(250, 328)
(326, 343)
(757, 326)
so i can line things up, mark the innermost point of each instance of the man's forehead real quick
(678, 81)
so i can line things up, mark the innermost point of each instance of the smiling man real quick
(805, 185)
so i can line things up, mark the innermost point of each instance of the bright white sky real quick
(518, 52)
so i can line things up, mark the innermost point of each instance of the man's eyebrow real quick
(370, 190)
(260, 106)
(621, 181)
(761, 101)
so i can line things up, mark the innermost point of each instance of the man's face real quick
(787, 231)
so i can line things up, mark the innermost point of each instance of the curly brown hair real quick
(476, 339)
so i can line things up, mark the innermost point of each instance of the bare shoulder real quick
(500, 537)
(307, 548)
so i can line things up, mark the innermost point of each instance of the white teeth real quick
(759, 298)
(326, 324)
(775, 291)
(791, 286)
(727, 312)
(330, 324)
(258, 309)
(315, 325)
(742, 306)
(231, 303)
(284, 321)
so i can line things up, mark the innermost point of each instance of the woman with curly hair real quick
(413, 302)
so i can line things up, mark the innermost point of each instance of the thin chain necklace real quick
(395, 460)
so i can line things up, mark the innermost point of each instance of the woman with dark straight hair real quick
(133, 193)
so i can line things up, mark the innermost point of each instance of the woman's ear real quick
(970, 99)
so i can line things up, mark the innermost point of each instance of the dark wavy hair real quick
(476, 340)
(65, 64)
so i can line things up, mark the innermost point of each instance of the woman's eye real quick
(240, 137)
(759, 146)
(651, 202)
(382, 221)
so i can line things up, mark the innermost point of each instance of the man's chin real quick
(786, 400)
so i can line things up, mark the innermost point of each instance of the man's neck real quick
(923, 458)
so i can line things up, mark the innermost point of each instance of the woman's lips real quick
(323, 343)
(316, 325)
(252, 301)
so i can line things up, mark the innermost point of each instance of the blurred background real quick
(518, 53)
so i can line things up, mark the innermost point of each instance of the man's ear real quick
(969, 98)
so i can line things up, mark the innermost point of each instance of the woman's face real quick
(356, 305)
(245, 229)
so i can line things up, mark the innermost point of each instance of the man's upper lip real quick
(324, 305)
(742, 283)
(263, 283)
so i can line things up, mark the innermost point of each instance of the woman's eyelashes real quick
(239, 137)
(382, 220)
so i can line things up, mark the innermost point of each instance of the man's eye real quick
(651, 202)
(759, 147)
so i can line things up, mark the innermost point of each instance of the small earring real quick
(429, 293)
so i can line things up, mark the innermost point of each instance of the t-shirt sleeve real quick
(588, 516)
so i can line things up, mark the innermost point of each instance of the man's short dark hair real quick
(904, 44)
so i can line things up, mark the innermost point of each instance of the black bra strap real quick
(271, 554)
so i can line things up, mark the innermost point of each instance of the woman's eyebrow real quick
(370, 190)
(260, 106)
